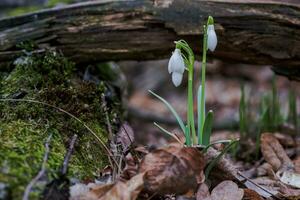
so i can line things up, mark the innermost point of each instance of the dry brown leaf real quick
(265, 169)
(297, 164)
(285, 139)
(130, 169)
(289, 193)
(224, 169)
(203, 192)
(227, 190)
(121, 190)
(251, 195)
(173, 169)
(274, 153)
(125, 136)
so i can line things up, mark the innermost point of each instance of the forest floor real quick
(263, 165)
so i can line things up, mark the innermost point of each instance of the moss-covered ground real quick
(25, 126)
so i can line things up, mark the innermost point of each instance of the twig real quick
(41, 172)
(68, 156)
(72, 116)
(257, 185)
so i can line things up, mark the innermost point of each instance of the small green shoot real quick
(292, 115)
(242, 112)
(207, 128)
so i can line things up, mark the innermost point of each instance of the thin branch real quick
(257, 185)
(68, 156)
(41, 172)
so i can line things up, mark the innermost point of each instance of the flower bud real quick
(211, 37)
(176, 67)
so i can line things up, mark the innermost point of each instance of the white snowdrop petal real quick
(176, 62)
(211, 38)
(176, 78)
(169, 66)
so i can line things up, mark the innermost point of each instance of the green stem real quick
(202, 103)
(190, 100)
(190, 115)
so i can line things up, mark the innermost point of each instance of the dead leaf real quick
(289, 193)
(274, 153)
(121, 190)
(264, 186)
(125, 136)
(130, 169)
(224, 169)
(297, 164)
(227, 190)
(285, 139)
(251, 195)
(289, 177)
(173, 169)
(203, 192)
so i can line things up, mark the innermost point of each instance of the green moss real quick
(24, 126)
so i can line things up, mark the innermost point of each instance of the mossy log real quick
(50, 78)
(251, 31)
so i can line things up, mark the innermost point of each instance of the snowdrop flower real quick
(176, 67)
(211, 37)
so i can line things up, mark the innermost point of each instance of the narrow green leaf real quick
(187, 136)
(213, 143)
(167, 132)
(292, 115)
(207, 128)
(216, 160)
(242, 113)
(179, 120)
(199, 114)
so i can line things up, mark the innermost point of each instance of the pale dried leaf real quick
(173, 169)
(227, 190)
(121, 190)
(297, 164)
(203, 192)
(290, 193)
(290, 178)
(274, 153)
(263, 186)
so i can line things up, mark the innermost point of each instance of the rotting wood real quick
(259, 32)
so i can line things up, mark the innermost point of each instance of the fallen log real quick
(263, 32)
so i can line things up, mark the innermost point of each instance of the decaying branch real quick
(251, 31)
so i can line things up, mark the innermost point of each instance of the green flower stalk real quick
(189, 60)
(209, 42)
(183, 59)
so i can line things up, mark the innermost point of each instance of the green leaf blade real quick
(173, 111)
(207, 128)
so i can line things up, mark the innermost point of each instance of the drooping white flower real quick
(211, 37)
(176, 78)
(176, 67)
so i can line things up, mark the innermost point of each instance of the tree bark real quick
(251, 31)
